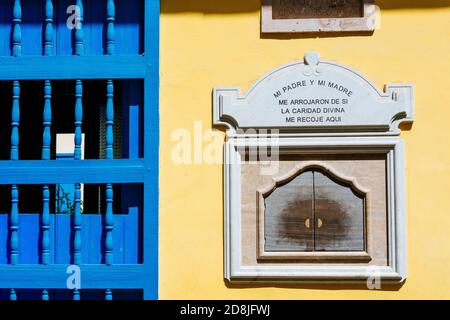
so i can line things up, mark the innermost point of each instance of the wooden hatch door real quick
(339, 215)
(314, 212)
(289, 216)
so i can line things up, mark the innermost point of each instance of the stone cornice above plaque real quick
(280, 16)
(315, 96)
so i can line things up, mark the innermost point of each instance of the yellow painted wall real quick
(208, 43)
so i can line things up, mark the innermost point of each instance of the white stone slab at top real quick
(367, 23)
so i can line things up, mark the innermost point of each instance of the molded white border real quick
(395, 272)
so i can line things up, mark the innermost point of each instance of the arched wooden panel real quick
(314, 211)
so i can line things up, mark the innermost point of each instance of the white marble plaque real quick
(307, 9)
(315, 95)
(319, 16)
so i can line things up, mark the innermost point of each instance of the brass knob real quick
(307, 223)
(319, 223)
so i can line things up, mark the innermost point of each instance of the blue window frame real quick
(100, 82)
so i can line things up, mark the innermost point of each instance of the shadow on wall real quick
(405, 4)
(243, 6)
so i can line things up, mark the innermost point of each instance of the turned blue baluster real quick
(77, 226)
(47, 140)
(78, 119)
(79, 50)
(14, 225)
(110, 29)
(46, 226)
(109, 226)
(110, 120)
(47, 121)
(48, 32)
(109, 218)
(46, 145)
(108, 295)
(77, 156)
(16, 39)
(14, 218)
(15, 121)
(76, 295)
(45, 296)
(12, 295)
(17, 29)
(79, 35)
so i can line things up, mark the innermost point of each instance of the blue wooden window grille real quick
(95, 207)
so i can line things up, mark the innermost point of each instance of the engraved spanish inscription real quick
(313, 110)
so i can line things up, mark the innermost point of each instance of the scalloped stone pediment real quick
(315, 96)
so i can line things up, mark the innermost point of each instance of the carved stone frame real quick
(363, 24)
(356, 256)
(372, 128)
(394, 272)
